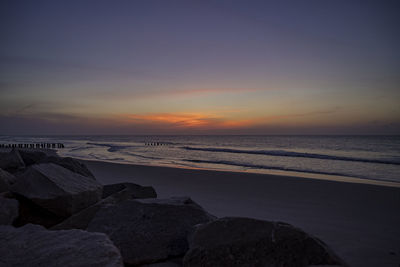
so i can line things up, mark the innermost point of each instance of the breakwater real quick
(33, 145)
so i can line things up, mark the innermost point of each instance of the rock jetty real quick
(53, 212)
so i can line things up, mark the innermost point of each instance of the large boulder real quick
(31, 157)
(8, 210)
(149, 230)
(137, 191)
(176, 262)
(57, 189)
(33, 245)
(70, 164)
(82, 219)
(11, 161)
(6, 180)
(251, 242)
(30, 212)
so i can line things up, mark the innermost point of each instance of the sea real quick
(366, 157)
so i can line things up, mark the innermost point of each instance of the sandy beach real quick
(360, 222)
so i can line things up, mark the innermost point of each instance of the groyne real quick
(33, 145)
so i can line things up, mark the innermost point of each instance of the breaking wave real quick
(283, 153)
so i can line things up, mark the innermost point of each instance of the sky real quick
(199, 67)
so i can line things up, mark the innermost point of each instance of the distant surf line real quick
(283, 153)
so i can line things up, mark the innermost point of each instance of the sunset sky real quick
(199, 67)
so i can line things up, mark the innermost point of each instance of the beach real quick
(360, 222)
(200, 134)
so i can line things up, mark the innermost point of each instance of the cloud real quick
(303, 114)
(54, 64)
(165, 93)
(218, 120)
(24, 108)
(178, 123)
(212, 91)
(184, 120)
(24, 74)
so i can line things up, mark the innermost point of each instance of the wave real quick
(283, 153)
(92, 155)
(79, 148)
(111, 147)
(140, 156)
(115, 148)
(255, 166)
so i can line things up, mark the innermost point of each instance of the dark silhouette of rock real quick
(6, 180)
(149, 230)
(33, 245)
(251, 242)
(31, 157)
(137, 191)
(29, 212)
(57, 189)
(176, 262)
(8, 210)
(4, 186)
(82, 219)
(70, 164)
(11, 161)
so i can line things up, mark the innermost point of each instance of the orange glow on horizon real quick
(186, 120)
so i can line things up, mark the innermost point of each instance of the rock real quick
(57, 189)
(4, 186)
(11, 161)
(137, 191)
(8, 210)
(6, 180)
(29, 212)
(70, 164)
(82, 219)
(37, 157)
(251, 242)
(31, 157)
(149, 231)
(7, 194)
(169, 263)
(162, 264)
(32, 245)
(172, 201)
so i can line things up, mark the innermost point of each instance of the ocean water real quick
(365, 157)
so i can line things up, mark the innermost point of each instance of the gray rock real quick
(32, 245)
(137, 191)
(11, 161)
(31, 157)
(251, 242)
(57, 189)
(82, 219)
(6, 180)
(147, 232)
(70, 164)
(8, 210)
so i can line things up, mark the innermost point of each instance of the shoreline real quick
(378, 175)
(358, 221)
(279, 173)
